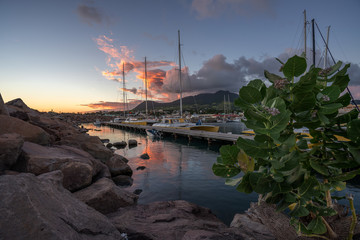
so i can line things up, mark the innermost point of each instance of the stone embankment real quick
(57, 182)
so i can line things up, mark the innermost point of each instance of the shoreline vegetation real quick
(57, 182)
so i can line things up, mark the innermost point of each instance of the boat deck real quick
(205, 135)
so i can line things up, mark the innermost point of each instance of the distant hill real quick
(207, 102)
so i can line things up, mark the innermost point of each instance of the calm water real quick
(178, 169)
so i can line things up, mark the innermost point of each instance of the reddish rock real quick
(105, 196)
(10, 149)
(33, 208)
(3, 108)
(28, 131)
(117, 166)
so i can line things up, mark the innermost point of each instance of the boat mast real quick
(146, 103)
(326, 47)
(181, 110)
(313, 39)
(124, 91)
(305, 33)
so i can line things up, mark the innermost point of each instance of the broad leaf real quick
(272, 77)
(320, 168)
(353, 131)
(303, 102)
(226, 171)
(250, 94)
(308, 188)
(259, 85)
(294, 67)
(229, 154)
(342, 82)
(245, 185)
(330, 108)
(317, 226)
(333, 92)
(246, 163)
(252, 148)
(299, 211)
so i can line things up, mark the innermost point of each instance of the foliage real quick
(286, 166)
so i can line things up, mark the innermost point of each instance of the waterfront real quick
(178, 169)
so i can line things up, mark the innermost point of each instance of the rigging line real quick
(188, 77)
(296, 33)
(347, 88)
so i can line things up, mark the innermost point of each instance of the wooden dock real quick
(205, 135)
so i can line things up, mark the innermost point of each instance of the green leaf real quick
(245, 185)
(294, 67)
(277, 103)
(317, 226)
(344, 99)
(355, 151)
(330, 108)
(252, 114)
(347, 117)
(333, 92)
(342, 82)
(278, 123)
(299, 211)
(281, 188)
(306, 82)
(308, 188)
(334, 68)
(272, 77)
(323, 118)
(229, 154)
(353, 131)
(252, 148)
(259, 85)
(303, 102)
(320, 168)
(250, 94)
(346, 176)
(227, 171)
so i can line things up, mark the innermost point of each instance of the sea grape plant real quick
(286, 166)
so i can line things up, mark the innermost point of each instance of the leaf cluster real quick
(303, 148)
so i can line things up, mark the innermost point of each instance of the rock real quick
(104, 140)
(121, 144)
(145, 156)
(117, 166)
(132, 142)
(90, 144)
(137, 191)
(55, 178)
(264, 222)
(10, 149)
(109, 145)
(140, 168)
(31, 208)
(123, 180)
(28, 131)
(78, 166)
(3, 108)
(174, 220)
(105, 196)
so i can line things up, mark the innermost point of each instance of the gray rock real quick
(140, 168)
(90, 144)
(31, 208)
(117, 166)
(28, 131)
(105, 196)
(109, 145)
(145, 156)
(3, 108)
(121, 144)
(123, 180)
(174, 220)
(10, 149)
(105, 140)
(132, 142)
(78, 167)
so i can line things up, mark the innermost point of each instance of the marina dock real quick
(190, 134)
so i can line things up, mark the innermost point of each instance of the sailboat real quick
(180, 123)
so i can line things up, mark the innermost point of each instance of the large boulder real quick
(105, 196)
(28, 131)
(174, 220)
(90, 144)
(33, 208)
(10, 149)
(3, 108)
(78, 166)
(18, 109)
(118, 166)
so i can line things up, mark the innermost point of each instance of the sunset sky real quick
(67, 56)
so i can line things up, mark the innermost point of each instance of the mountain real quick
(207, 102)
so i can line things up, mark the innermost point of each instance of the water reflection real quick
(179, 169)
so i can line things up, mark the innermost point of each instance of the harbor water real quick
(182, 170)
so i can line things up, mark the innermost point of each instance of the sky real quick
(69, 55)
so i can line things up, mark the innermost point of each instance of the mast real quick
(146, 103)
(326, 47)
(305, 33)
(313, 39)
(180, 74)
(224, 108)
(124, 91)
(229, 104)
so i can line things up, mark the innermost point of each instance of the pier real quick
(190, 134)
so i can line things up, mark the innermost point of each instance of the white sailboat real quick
(180, 122)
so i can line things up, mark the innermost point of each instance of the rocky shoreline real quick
(57, 182)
